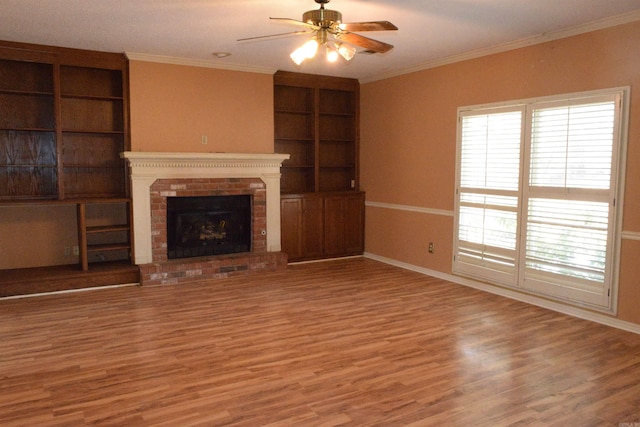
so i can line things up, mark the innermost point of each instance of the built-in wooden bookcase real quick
(295, 135)
(63, 125)
(316, 120)
(92, 121)
(337, 140)
(28, 166)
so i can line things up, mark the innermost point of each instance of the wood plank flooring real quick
(348, 342)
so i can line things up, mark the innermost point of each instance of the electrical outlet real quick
(204, 140)
(67, 251)
(76, 250)
(430, 247)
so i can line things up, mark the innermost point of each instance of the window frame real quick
(607, 301)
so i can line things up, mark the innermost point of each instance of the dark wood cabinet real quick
(322, 225)
(316, 122)
(63, 125)
(343, 224)
(302, 220)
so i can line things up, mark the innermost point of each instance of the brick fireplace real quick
(157, 176)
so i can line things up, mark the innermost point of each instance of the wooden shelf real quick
(107, 247)
(95, 239)
(299, 167)
(35, 202)
(25, 92)
(336, 114)
(108, 228)
(92, 97)
(94, 132)
(25, 129)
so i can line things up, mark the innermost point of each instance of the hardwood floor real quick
(349, 342)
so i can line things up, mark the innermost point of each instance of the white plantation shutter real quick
(567, 237)
(488, 194)
(535, 195)
(569, 199)
(572, 146)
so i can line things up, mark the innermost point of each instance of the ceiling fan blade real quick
(368, 26)
(296, 22)
(274, 35)
(364, 42)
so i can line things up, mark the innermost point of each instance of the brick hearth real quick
(164, 271)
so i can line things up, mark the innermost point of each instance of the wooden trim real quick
(408, 208)
(65, 55)
(82, 236)
(631, 235)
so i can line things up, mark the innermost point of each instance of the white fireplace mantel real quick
(147, 167)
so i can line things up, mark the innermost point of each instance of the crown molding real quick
(478, 53)
(196, 63)
(517, 44)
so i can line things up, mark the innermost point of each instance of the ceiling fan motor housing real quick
(322, 17)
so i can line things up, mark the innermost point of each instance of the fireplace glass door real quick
(208, 225)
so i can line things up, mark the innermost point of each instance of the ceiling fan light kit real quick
(338, 38)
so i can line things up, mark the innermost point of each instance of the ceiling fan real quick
(328, 30)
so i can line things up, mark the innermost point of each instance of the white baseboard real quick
(529, 299)
(70, 291)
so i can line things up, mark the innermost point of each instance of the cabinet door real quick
(312, 221)
(354, 224)
(291, 227)
(343, 225)
(301, 220)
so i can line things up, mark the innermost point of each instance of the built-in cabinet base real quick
(29, 281)
(322, 225)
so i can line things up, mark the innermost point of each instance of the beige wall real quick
(408, 140)
(36, 236)
(173, 106)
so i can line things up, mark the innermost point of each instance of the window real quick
(536, 195)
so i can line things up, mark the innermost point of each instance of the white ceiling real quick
(189, 31)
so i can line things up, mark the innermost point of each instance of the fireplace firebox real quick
(208, 225)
